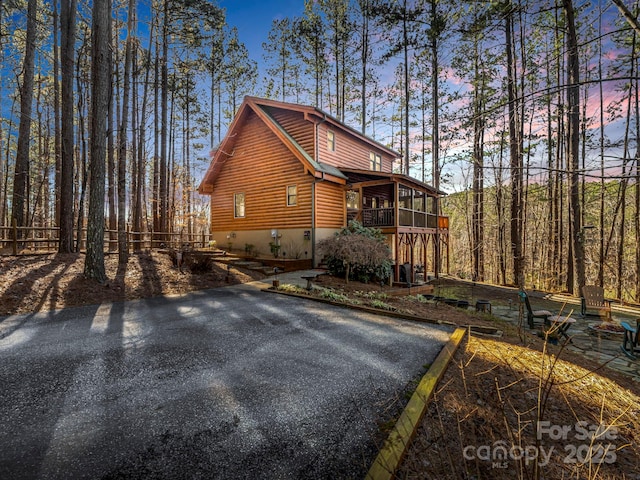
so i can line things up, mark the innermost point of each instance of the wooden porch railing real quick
(385, 217)
(378, 217)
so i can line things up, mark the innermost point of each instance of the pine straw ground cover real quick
(46, 282)
(511, 408)
(505, 411)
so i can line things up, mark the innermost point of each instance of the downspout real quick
(313, 194)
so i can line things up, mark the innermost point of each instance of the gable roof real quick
(318, 166)
(260, 107)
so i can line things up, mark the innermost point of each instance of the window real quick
(375, 162)
(331, 141)
(238, 205)
(292, 195)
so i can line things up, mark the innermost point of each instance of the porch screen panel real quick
(405, 199)
(405, 206)
(419, 216)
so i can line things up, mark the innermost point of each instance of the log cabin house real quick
(286, 176)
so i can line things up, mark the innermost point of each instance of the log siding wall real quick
(261, 167)
(330, 205)
(301, 130)
(350, 152)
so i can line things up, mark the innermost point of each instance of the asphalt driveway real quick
(227, 383)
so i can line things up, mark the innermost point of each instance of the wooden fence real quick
(32, 240)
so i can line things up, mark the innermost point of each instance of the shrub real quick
(287, 287)
(333, 296)
(199, 263)
(382, 305)
(357, 253)
(275, 249)
(293, 250)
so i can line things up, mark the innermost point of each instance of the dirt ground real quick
(379, 296)
(47, 282)
(482, 421)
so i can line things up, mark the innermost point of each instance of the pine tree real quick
(100, 96)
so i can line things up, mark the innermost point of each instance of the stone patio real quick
(602, 347)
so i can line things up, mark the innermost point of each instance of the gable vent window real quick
(238, 205)
(292, 195)
(331, 141)
(375, 162)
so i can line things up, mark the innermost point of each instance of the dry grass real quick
(495, 393)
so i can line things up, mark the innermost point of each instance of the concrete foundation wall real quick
(292, 241)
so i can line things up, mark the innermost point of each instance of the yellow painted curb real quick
(394, 448)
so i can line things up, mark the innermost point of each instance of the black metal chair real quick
(533, 314)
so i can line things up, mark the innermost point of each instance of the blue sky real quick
(253, 18)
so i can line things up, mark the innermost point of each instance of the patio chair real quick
(533, 314)
(630, 345)
(593, 298)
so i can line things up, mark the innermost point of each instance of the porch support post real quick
(448, 272)
(412, 245)
(425, 241)
(396, 273)
(397, 224)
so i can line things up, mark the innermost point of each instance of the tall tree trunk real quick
(163, 191)
(500, 214)
(5, 180)
(100, 95)
(549, 261)
(21, 172)
(407, 88)
(601, 230)
(111, 149)
(123, 246)
(136, 181)
(187, 162)
(4, 169)
(155, 201)
(142, 136)
(56, 110)
(435, 137)
(636, 224)
(364, 62)
(573, 137)
(68, 29)
(478, 171)
(82, 155)
(171, 168)
(515, 157)
(622, 198)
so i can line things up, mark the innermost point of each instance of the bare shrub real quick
(357, 253)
